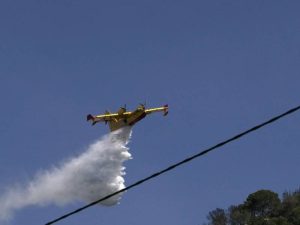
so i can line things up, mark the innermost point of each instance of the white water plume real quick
(94, 174)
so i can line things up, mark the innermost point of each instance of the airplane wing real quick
(103, 118)
(164, 109)
(110, 117)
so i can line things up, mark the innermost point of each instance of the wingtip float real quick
(124, 118)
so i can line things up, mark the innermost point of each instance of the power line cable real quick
(179, 163)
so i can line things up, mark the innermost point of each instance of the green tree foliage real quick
(290, 207)
(262, 207)
(263, 203)
(217, 217)
(238, 215)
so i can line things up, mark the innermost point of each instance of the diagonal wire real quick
(290, 111)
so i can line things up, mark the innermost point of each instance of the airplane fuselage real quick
(127, 120)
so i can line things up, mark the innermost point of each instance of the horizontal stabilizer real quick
(166, 110)
(89, 117)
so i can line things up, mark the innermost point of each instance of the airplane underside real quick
(130, 121)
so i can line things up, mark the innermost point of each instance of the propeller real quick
(143, 105)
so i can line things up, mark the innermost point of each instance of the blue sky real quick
(222, 66)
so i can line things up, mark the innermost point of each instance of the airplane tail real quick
(92, 118)
(166, 110)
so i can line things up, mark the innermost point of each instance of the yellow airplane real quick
(125, 118)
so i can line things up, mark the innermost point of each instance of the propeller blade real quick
(142, 105)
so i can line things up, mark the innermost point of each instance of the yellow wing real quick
(164, 109)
